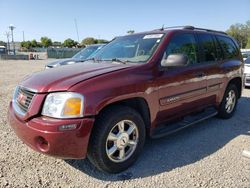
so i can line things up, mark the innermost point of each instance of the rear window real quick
(229, 48)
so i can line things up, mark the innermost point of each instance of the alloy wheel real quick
(122, 141)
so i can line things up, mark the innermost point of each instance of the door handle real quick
(199, 74)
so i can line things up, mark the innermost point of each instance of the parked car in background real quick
(152, 83)
(84, 54)
(245, 54)
(2, 50)
(247, 72)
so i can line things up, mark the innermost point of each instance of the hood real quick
(62, 78)
(62, 62)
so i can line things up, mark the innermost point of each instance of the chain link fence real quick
(62, 52)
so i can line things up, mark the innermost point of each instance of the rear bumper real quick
(43, 135)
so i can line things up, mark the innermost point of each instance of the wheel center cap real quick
(122, 141)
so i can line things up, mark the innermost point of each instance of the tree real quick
(57, 44)
(34, 43)
(69, 43)
(248, 43)
(26, 44)
(130, 31)
(241, 32)
(88, 41)
(46, 42)
(2, 43)
(100, 41)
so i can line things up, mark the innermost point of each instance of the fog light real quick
(42, 144)
(67, 127)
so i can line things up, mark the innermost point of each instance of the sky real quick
(107, 19)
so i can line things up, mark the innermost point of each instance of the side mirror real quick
(174, 60)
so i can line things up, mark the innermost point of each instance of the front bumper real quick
(43, 135)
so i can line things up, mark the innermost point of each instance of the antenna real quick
(76, 30)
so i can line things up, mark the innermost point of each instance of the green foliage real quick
(70, 43)
(2, 43)
(248, 42)
(88, 41)
(100, 41)
(46, 42)
(91, 40)
(241, 32)
(34, 44)
(30, 44)
(26, 44)
(57, 44)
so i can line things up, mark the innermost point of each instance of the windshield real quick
(134, 48)
(86, 52)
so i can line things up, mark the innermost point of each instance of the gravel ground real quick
(208, 154)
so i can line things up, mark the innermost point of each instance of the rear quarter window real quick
(229, 48)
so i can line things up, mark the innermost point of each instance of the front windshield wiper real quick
(118, 60)
(90, 59)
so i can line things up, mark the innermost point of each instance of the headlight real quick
(63, 105)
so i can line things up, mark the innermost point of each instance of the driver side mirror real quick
(174, 60)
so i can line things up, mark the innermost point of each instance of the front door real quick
(181, 89)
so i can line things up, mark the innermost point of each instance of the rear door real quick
(211, 58)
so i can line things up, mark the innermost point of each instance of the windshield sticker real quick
(153, 36)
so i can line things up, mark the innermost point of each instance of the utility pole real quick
(23, 37)
(76, 30)
(7, 34)
(11, 29)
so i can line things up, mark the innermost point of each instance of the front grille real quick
(22, 99)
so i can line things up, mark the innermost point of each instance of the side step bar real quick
(166, 129)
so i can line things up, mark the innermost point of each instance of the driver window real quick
(183, 44)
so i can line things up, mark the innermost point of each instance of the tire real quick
(224, 111)
(117, 139)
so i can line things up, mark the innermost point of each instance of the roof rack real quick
(189, 27)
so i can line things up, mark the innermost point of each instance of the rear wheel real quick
(229, 102)
(117, 139)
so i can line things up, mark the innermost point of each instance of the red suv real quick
(151, 83)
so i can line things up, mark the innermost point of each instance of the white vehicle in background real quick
(245, 53)
(247, 72)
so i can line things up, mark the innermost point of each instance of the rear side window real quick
(183, 44)
(208, 47)
(228, 46)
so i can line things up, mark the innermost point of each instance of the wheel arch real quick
(237, 81)
(137, 103)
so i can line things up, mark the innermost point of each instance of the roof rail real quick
(189, 27)
(174, 27)
(208, 30)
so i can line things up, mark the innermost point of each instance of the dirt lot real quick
(205, 155)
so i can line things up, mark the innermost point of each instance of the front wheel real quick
(229, 102)
(117, 139)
